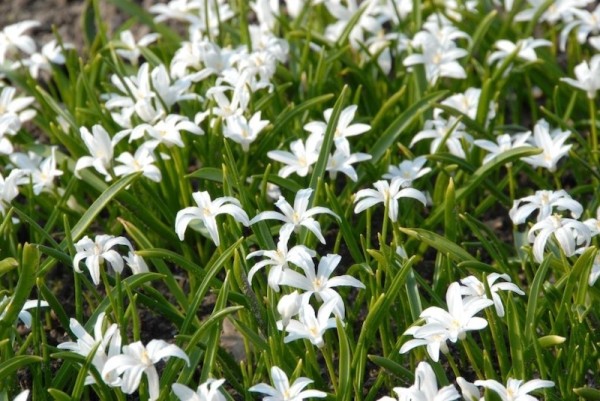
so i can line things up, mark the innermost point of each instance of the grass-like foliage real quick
(374, 200)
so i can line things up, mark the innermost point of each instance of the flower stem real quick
(472, 360)
(593, 132)
(329, 362)
(453, 365)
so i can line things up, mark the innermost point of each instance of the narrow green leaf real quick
(534, 295)
(100, 203)
(575, 275)
(515, 339)
(181, 261)
(344, 371)
(15, 363)
(392, 367)
(319, 168)
(212, 345)
(207, 173)
(588, 393)
(348, 232)
(450, 224)
(475, 181)
(27, 274)
(8, 264)
(210, 272)
(440, 243)
(58, 395)
(400, 124)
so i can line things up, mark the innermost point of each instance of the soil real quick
(64, 15)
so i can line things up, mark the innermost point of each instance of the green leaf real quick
(181, 261)
(400, 124)
(27, 275)
(348, 232)
(344, 371)
(440, 243)
(475, 181)
(7, 264)
(321, 165)
(534, 295)
(515, 339)
(588, 393)
(377, 312)
(210, 273)
(15, 363)
(393, 367)
(207, 173)
(579, 273)
(100, 203)
(58, 395)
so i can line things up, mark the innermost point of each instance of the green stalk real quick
(329, 362)
(467, 349)
(594, 131)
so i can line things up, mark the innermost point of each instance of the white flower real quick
(310, 326)
(208, 391)
(586, 23)
(588, 76)
(460, 316)
(551, 143)
(129, 49)
(444, 131)
(23, 395)
(524, 49)
(426, 387)
(544, 201)
(101, 150)
(24, 315)
(559, 10)
(467, 103)
(388, 194)
(572, 235)
(302, 157)
(9, 188)
(16, 107)
(433, 335)
(137, 360)
(472, 288)
(282, 391)
(97, 251)
(12, 37)
(52, 53)
(244, 132)
(86, 344)
(141, 161)
(515, 390)
(341, 161)
(40, 171)
(470, 392)
(503, 144)
(438, 61)
(408, 171)
(343, 129)
(136, 263)
(206, 212)
(167, 131)
(452, 324)
(288, 306)
(319, 282)
(279, 259)
(298, 216)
